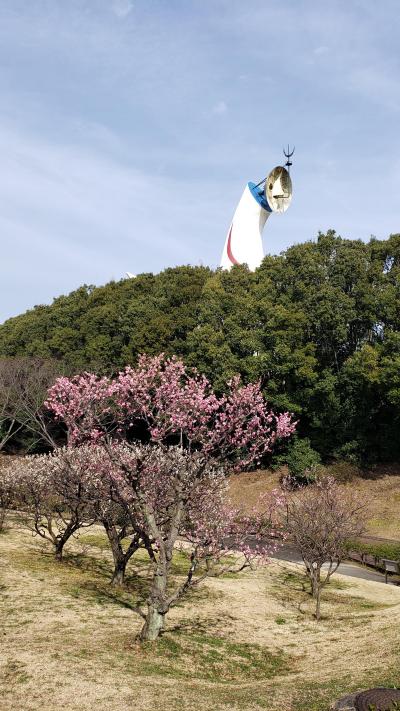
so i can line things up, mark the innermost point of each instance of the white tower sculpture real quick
(243, 244)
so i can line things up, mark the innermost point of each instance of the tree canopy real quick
(319, 325)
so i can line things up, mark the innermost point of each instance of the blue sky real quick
(128, 130)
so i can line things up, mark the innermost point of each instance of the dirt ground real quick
(248, 642)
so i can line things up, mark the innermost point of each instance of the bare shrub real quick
(321, 519)
(23, 386)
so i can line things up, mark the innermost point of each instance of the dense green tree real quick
(319, 325)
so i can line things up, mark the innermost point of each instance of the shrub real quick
(390, 551)
(303, 461)
(349, 452)
(320, 520)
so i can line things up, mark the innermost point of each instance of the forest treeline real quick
(319, 324)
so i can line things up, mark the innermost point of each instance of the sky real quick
(129, 128)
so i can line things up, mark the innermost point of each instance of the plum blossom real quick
(173, 488)
(175, 405)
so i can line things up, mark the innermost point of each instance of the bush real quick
(303, 461)
(349, 452)
(390, 551)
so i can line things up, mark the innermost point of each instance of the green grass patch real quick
(299, 580)
(201, 656)
(294, 586)
(97, 540)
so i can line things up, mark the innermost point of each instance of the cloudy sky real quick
(128, 129)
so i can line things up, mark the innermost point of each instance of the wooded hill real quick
(319, 325)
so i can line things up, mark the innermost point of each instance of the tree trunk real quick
(59, 546)
(154, 624)
(318, 605)
(314, 587)
(3, 513)
(157, 606)
(118, 576)
(120, 557)
(158, 602)
(315, 574)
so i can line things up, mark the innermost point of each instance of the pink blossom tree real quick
(51, 493)
(58, 494)
(175, 405)
(176, 498)
(173, 487)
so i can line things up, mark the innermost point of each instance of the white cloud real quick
(71, 216)
(122, 8)
(322, 49)
(220, 108)
(116, 149)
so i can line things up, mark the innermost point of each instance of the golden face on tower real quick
(278, 189)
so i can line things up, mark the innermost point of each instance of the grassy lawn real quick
(248, 643)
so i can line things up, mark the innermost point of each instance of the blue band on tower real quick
(259, 195)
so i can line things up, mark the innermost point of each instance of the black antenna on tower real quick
(288, 155)
(288, 163)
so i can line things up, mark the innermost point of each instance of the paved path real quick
(354, 570)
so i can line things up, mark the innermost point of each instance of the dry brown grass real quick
(381, 487)
(249, 643)
(383, 495)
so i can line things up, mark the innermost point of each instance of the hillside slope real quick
(382, 491)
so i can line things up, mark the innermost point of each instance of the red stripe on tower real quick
(229, 249)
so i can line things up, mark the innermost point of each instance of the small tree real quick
(6, 495)
(302, 460)
(51, 490)
(321, 519)
(23, 386)
(174, 497)
(173, 488)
